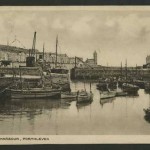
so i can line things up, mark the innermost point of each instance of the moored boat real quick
(102, 86)
(68, 95)
(130, 88)
(140, 83)
(84, 96)
(108, 94)
(121, 93)
(58, 70)
(33, 93)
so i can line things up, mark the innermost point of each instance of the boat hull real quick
(121, 93)
(29, 94)
(84, 98)
(107, 95)
(130, 89)
(68, 95)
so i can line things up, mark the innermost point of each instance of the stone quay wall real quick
(96, 73)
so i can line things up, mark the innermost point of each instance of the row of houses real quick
(16, 54)
(13, 54)
(61, 58)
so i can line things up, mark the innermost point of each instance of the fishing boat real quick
(69, 95)
(58, 75)
(63, 84)
(107, 95)
(120, 92)
(102, 86)
(33, 93)
(58, 70)
(140, 84)
(130, 88)
(84, 96)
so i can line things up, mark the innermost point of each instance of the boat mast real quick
(90, 86)
(126, 69)
(121, 70)
(136, 70)
(43, 51)
(20, 78)
(84, 83)
(75, 62)
(33, 45)
(56, 51)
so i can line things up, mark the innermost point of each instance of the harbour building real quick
(92, 62)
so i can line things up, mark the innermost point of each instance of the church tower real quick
(95, 57)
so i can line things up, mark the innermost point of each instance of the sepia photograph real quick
(75, 70)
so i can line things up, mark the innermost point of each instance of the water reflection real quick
(65, 117)
(65, 104)
(29, 108)
(135, 95)
(83, 105)
(104, 101)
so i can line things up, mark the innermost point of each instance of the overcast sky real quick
(116, 35)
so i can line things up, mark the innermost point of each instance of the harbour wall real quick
(96, 73)
(21, 70)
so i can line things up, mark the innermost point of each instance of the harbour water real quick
(118, 116)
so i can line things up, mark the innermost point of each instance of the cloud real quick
(116, 34)
(57, 24)
(82, 26)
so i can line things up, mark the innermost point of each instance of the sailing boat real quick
(84, 96)
(128, 87)
(57, 69)
(21, 92)
(107, 94)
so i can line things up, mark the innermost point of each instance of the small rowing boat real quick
(84, 96)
